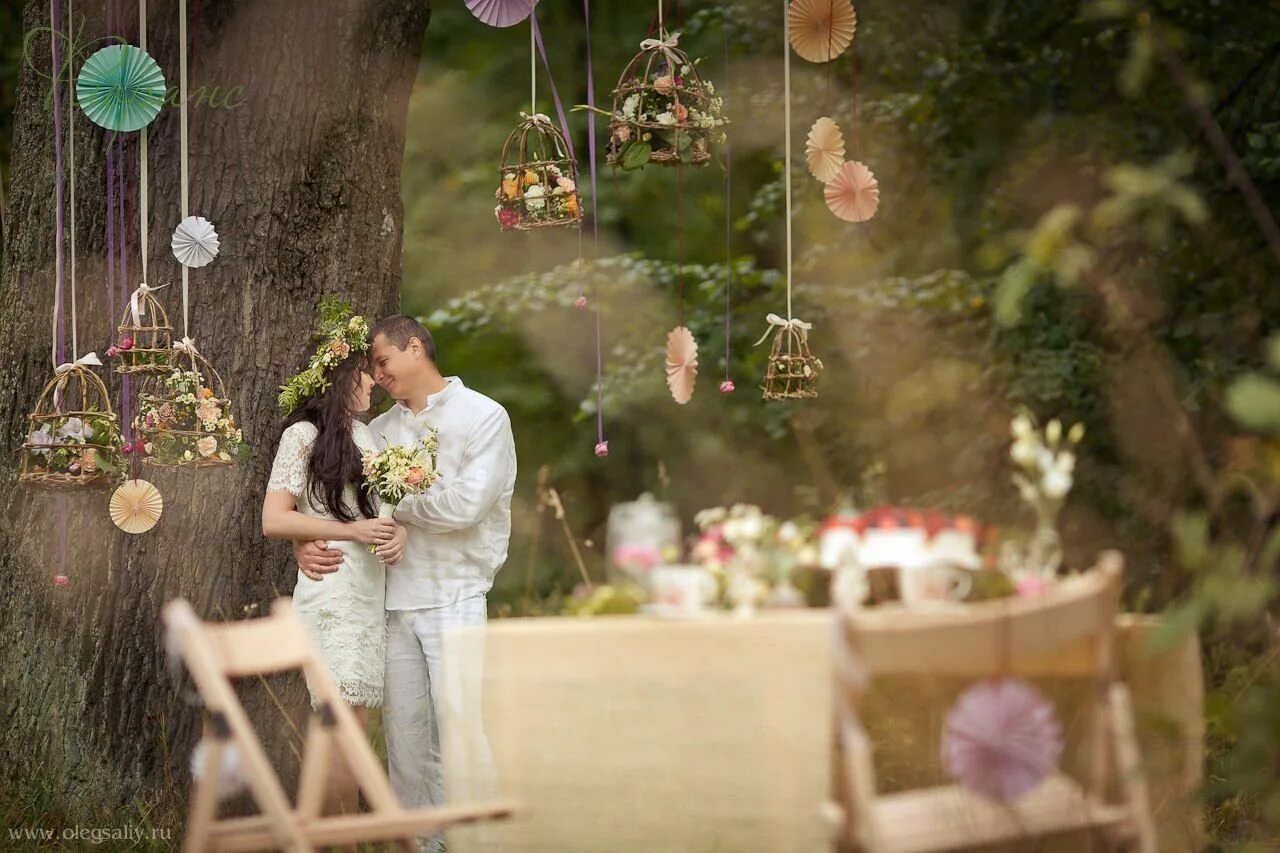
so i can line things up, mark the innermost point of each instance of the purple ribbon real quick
(595, 222)
(55, 38)
(555, 95)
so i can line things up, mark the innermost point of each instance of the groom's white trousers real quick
(415, 694)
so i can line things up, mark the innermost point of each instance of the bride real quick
(316, 492)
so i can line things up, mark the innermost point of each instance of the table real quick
(632, 733)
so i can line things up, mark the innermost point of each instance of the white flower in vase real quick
(533, 197)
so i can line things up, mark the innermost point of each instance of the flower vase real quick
(1044, 551)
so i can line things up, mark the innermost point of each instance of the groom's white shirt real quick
(458, 530)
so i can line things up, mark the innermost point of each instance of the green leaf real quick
(635, 155)
(1254, 401)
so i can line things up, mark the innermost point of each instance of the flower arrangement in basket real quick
(400, 470)
(145, 344)
(663, 111)
(539, 186)
(73, 439)
(792, 372)
(183, 421)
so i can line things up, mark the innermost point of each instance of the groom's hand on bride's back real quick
(315, 560)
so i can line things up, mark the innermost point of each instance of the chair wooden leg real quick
(204, 799)
(1133, 782)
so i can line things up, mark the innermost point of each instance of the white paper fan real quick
(195, 243)
(854, 193)
(824, 149)
(821, 29)
(136, 506)
(682, 364)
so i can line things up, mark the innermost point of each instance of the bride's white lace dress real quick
(344, 613)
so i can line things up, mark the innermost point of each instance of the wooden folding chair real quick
(1065, 634)
(215, 653)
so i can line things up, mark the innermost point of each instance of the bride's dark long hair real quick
(335, 460)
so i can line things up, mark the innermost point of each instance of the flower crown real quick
(340, 333)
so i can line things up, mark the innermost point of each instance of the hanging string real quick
(55, 38)
(680, 237)
(555, 93)
(786, 163)
(144, 245)
(853, 85)
(728, 220)
(533, 59)
(195, 119)
(182, 135)
(595, 226)
(71, 173)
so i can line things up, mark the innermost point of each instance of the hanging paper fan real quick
(854, 193)
(195, 243)
(120, 87)
(824, 149)
(500, 13)
(682, 364)
(136, 506)
(821, 29)
(1002, 738)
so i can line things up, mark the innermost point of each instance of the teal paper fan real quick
(120, 87)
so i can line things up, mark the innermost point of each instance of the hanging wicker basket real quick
(145, 344)
(538, 186)
(184, 417)
(663, 111)
(793, 370)
(73, 439)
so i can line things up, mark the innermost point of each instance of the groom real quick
(456, 540)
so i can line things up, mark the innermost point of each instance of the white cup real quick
(680, 590)
(933, 584)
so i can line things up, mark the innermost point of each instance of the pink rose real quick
(415, 476)
(340, 348)
(126, 343)
(726, 387)
(61, 580)
(602, 449)
(580, 302)
(664, 85)
(113, 351)
(207, 446)
(681, 113)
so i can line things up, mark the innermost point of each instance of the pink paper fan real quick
(682, 364)
(501, 13)
(1002, 738)
(854, 193)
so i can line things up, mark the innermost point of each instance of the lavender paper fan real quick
(1001, 739)
(501, 13)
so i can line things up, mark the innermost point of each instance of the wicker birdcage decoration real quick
(792, 372)
(538, 186)
(73, 439)
(145, 344)
(184, 417)
(663, 111)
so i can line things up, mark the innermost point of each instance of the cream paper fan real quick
(682, 364)
(854, 193)
(136, 506)
(824, 149)
(195, 243)
(821, 29)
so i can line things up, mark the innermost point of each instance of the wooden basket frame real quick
(159, 338)
(88, 383)
(785, 378)
(517, 144)
(628, 85)
(202, 366)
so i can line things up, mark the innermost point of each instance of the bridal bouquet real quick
(400, 470)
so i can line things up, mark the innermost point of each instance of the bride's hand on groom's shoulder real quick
(316, 559)
(391, 552)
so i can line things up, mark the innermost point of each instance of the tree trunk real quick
(302, 181)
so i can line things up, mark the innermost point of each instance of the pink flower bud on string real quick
(61, 580)
(602, 449)
(580, 302)
(726, 387)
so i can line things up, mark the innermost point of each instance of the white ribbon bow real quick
(84, 360)
(186, 345)
(136, 306)
(795, 324)
(665, 45)
(536, 118)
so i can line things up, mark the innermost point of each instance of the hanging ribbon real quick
(143, 189)
(182, 135)
(666, 45)
(136, 305)
(55, 39)
(793, 325)
(786, 164)
(71, 179)
(186, 345)
(728, 230)
(555, 94)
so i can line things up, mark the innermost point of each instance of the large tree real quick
(303, 183)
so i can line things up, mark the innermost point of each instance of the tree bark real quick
(302, 182)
